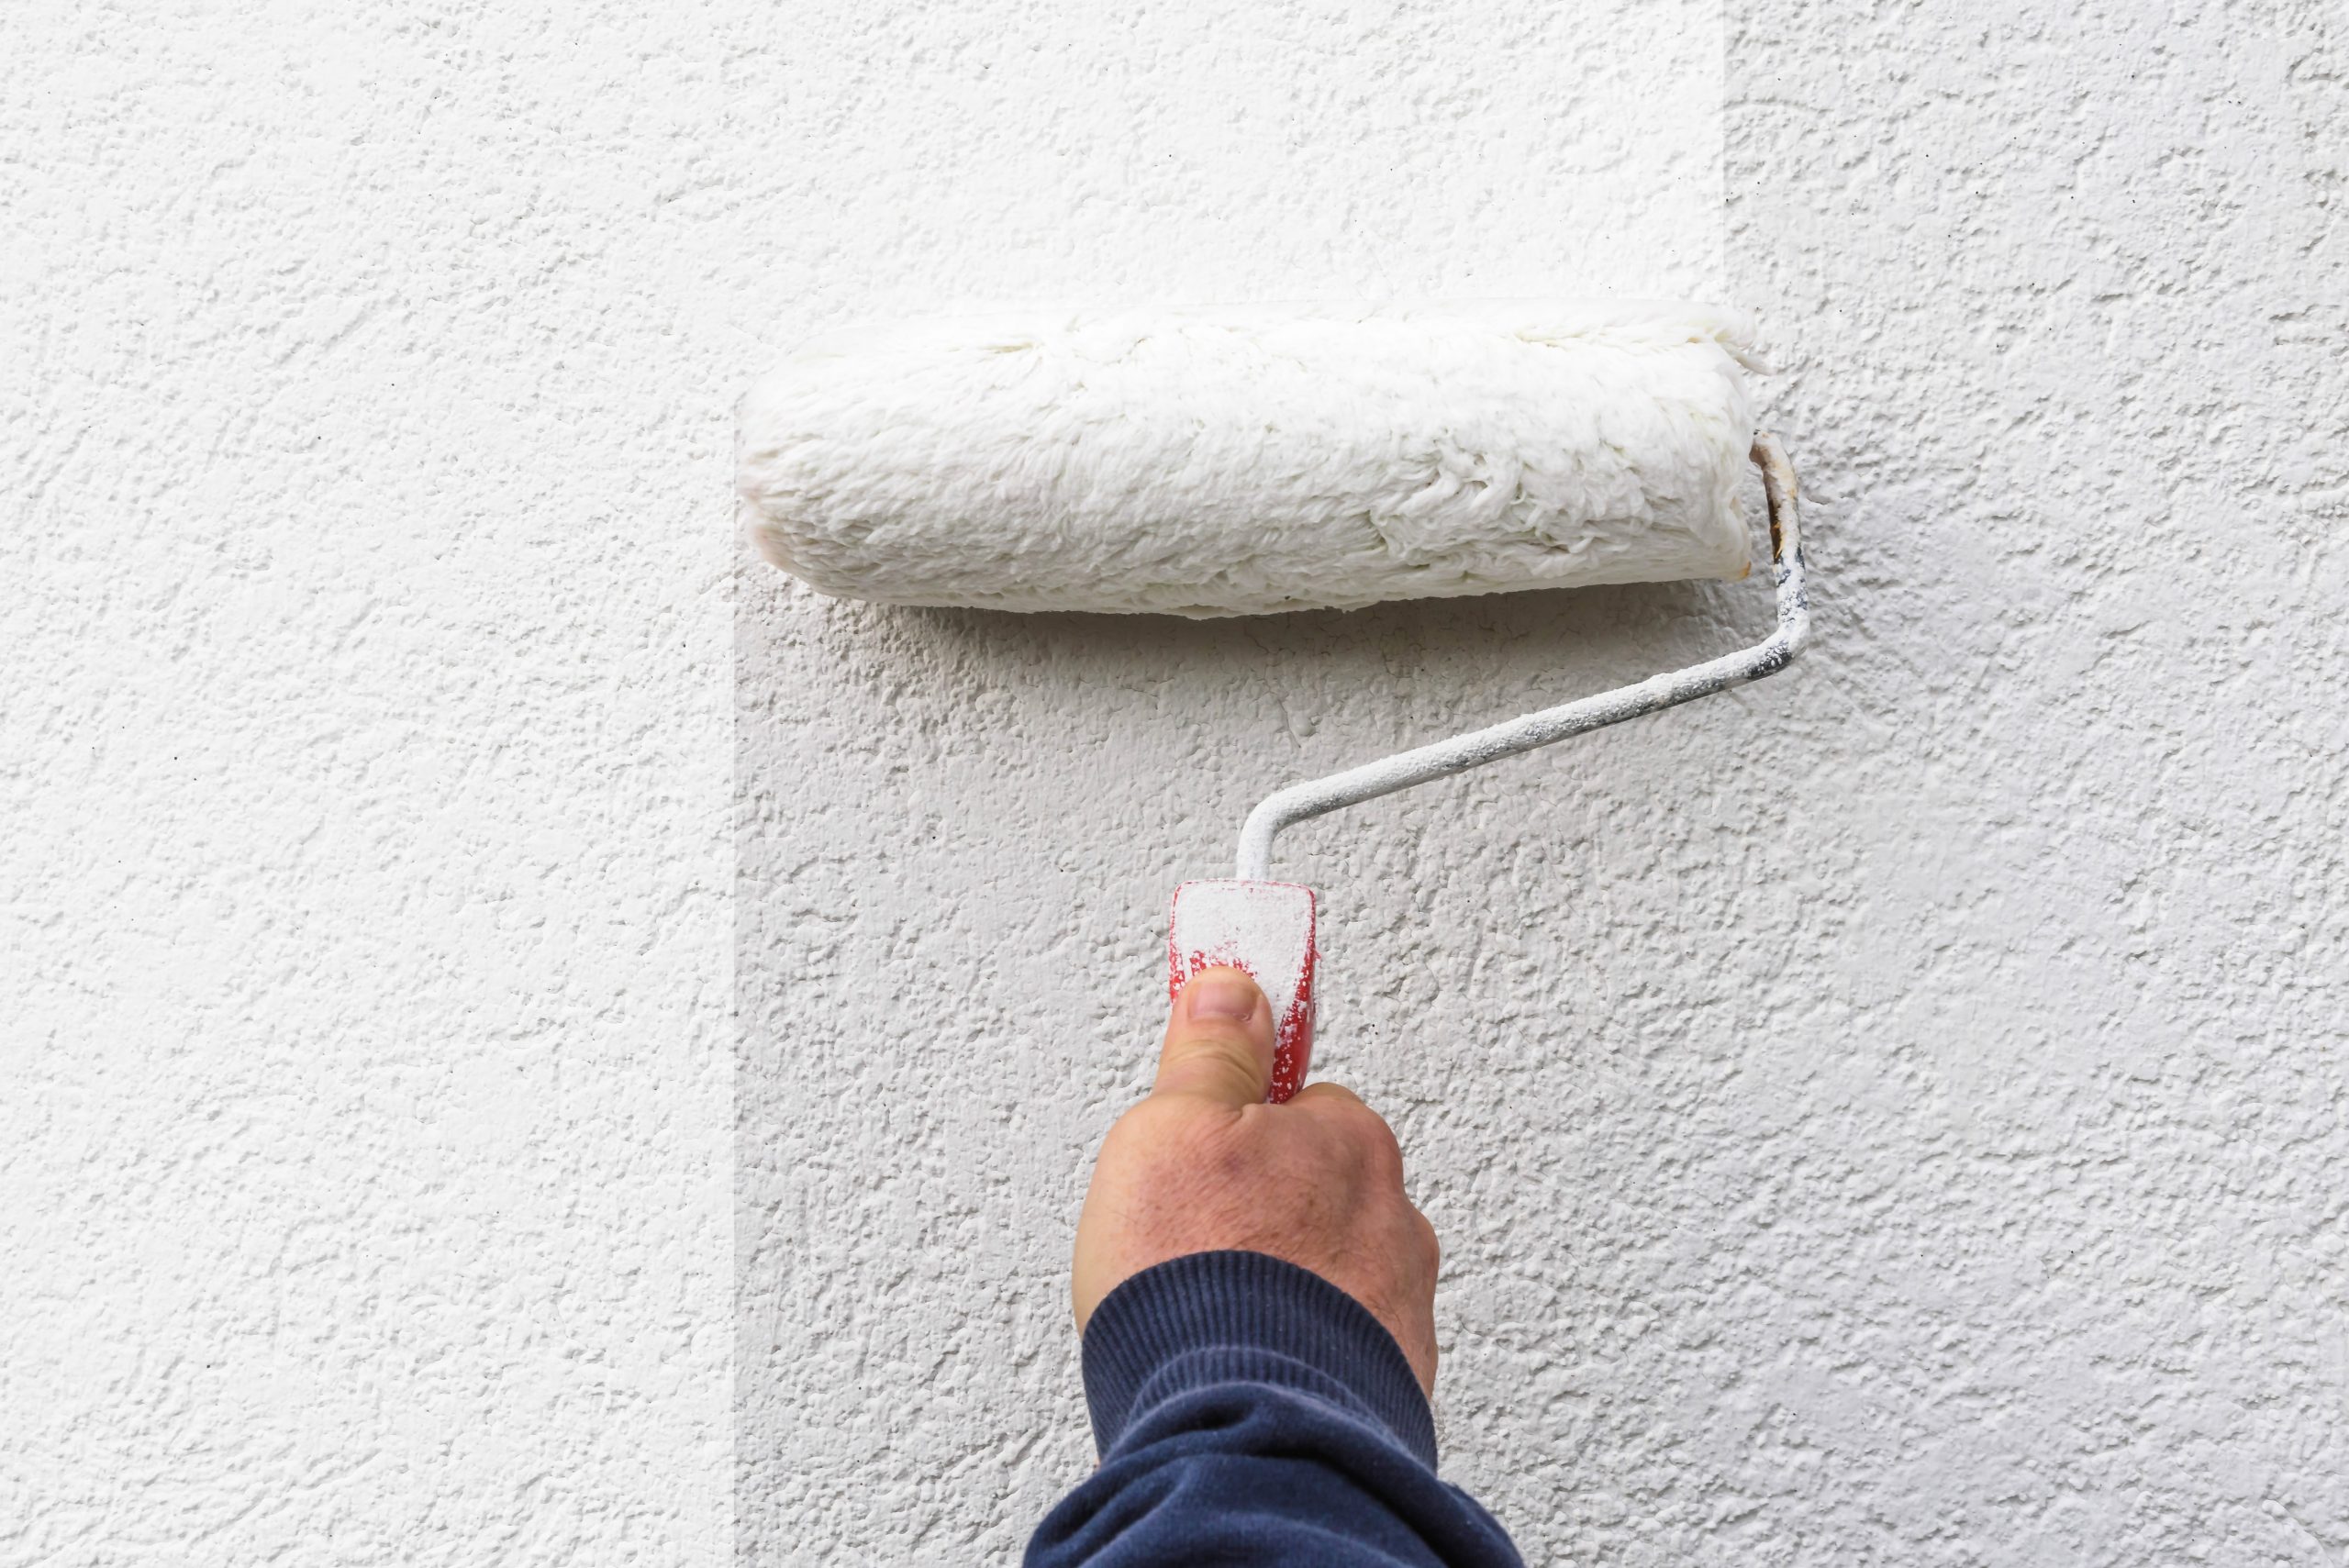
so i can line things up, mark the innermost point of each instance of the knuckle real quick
(1164, 1131)
(1143, 1124)
(1225, 1052)
(1380, 1147)
(1380, 1162)
(1234, 1054)
(1223, 1034)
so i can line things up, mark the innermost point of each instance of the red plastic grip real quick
(1267, 928)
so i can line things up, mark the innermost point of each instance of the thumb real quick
(1220, 1041)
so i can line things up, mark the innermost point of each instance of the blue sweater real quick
(1248, 1411)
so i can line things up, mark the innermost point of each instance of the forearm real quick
(1248, 1410)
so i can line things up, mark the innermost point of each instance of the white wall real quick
(2019, 1193)
(1894, 1113)
(365, 881)
(961, 830)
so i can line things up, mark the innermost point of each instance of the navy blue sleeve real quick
(1248, 1411)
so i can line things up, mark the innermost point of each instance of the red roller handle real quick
(1267, 928)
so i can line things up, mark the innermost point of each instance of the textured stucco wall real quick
(960, 831)
(364, 950)
(1893, 1114)
(1908, 1110)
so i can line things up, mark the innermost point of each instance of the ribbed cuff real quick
(1215, 1317)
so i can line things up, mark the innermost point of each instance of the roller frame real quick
(1316, 797)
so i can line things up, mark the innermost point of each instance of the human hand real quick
(1204, 1163)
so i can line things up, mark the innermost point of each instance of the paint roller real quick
(1251, 460)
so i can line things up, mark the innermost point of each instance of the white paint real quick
(1890, 1113)
(1265, 927)
(1247, 460)
(366, 929)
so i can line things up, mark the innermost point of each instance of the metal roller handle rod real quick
(1457, 755)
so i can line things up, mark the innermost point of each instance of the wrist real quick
(1218, 1316)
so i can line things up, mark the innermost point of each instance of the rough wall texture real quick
(2025, 1235)
(960, 831)
(364, 956)
(1892, 1114)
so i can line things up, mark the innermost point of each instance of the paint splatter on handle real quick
(1267, 928)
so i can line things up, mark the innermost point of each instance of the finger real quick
(1218, 1040)
(1359, 1130)
(1343, 1110)
(1333, 1094)
(1429, 1242)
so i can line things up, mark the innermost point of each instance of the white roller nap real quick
(1235, 461)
